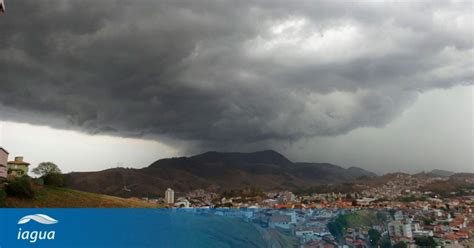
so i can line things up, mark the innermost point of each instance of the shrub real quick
(54, 179)
(20, 187)
(385, 243)
(374, 236)
(425, 241)
(3, 197)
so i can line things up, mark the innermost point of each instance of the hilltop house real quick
(3, 163)
(18, 167)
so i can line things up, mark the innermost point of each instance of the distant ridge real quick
(214, 171)
(260, 157)
(442, 173)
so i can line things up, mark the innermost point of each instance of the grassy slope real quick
(362, 218)
(67, 198)
(358, 219)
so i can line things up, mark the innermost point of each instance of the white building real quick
(293, 218)
(280, 220)
(400, 229)
(286, 196)
(169, 196)
(3, 163)
(182, 204)
(423, 233)
(365, 201)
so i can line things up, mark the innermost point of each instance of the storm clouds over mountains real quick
(220, 74)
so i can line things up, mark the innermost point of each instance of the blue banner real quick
(135, 228)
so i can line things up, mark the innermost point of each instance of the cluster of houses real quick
(15, 168)
(451, 226)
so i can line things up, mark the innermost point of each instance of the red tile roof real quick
(18, 163)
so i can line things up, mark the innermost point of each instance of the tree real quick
(427, 221)
(382, 216)
(385, 243)
(374, 236)
(425, 242)
(46, 168)
(338, 225)
(50, 173)
(54, 179)
(349, 196)
(392, 212)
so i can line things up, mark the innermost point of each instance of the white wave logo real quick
(40, 218)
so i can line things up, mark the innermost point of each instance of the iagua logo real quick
(33, 236)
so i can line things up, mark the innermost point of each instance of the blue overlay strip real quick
(131, 228)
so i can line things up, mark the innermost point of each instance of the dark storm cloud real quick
(221, 74)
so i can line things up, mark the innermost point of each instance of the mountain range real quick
(214, 171)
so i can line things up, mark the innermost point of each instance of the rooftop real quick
(3, 149)
(280, 218)
(18, 161)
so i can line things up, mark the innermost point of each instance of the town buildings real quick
(406, 216)
(280, 220)
(399, 229)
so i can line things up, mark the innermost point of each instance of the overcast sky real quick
(96, 84)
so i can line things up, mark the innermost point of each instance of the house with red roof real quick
(17, 167)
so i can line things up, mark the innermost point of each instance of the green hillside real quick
(47, 197)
